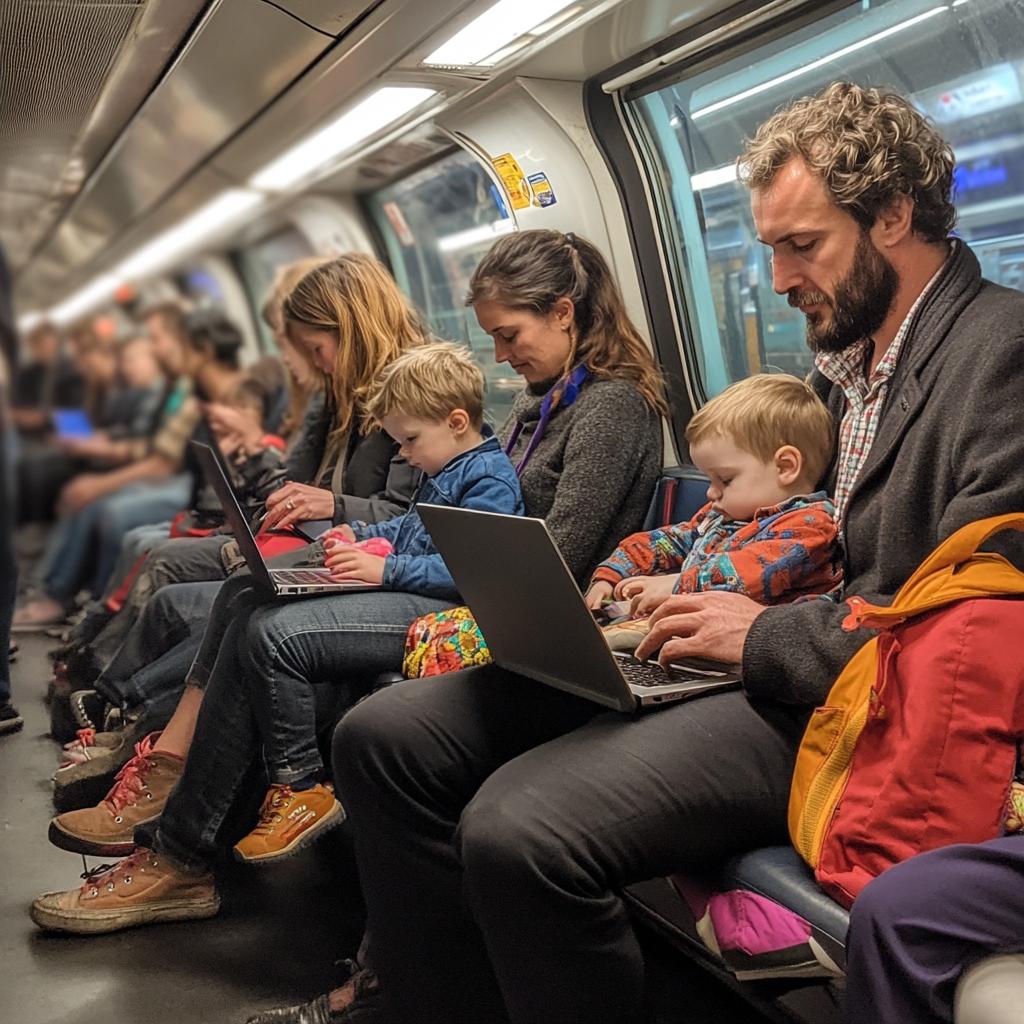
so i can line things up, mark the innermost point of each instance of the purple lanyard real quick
(565, 390)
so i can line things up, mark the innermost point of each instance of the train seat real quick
(680, 494)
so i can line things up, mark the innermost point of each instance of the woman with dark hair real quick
(585, 436)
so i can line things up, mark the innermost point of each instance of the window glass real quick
(257, 266)
(437, 225)
(960, 62)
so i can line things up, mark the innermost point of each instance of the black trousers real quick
(496, 821)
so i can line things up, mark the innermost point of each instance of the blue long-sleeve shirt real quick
(482, 478)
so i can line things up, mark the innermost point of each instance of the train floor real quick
(274, 943)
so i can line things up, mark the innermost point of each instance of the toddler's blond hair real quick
(429, 382)
(763, 413)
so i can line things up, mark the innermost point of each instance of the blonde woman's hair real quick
(357, 300)
(762, 414)
(532, 270)
(868, 148)
(286, 277)
(430, 382)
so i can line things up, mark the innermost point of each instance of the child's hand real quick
(344, 532)
(631, 585)
(648, 593)
(349, 563)
(598, 593)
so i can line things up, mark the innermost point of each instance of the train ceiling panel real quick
(241, 56)
(56, 57)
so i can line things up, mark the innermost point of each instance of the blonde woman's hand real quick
(297, 503)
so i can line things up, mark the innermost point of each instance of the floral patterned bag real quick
(444, 642)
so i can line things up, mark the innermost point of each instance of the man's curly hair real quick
(868, 148)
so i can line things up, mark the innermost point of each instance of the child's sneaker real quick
(290, 820)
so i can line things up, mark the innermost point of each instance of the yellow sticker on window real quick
(516, 185)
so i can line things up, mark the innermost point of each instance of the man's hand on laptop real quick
(710, 625)
(297, 503)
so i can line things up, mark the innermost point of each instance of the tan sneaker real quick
(138, 796)
(289, 821)
(142, 889)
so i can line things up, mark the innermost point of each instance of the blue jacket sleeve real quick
(426, 574)
(388, 529)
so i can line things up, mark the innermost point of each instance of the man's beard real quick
(863, 300)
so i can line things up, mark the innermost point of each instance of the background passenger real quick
(49, 380)
(492, 876)
(764, 444)
(918, 927)
(149, 491)
(552, 307)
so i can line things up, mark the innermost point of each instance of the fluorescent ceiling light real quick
(363, 120)
(815, 64)
(474, 236)
(189, 234)
(493, 31)
(709, 179)
(29, 320)
(164, 249)
(83, 301)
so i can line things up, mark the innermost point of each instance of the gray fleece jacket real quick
(949, 451)
(592, 476)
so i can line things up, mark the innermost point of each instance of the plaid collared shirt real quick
(865, 397)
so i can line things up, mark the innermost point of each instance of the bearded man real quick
(497, 820)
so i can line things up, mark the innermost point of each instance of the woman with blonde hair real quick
(585, 438)
(347, 312)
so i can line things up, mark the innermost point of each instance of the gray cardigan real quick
(592, 476)
(949, 451)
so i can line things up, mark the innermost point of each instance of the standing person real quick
(496, 820)
(552, 307)
(10, 720)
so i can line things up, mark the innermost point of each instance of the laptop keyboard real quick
(293, 576)
(643, 673)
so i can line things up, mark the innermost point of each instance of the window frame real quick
(737, 29)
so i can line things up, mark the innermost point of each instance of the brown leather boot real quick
(142, 889)
(138, 796)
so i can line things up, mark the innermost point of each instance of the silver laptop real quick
(275, 582)
(536, 623)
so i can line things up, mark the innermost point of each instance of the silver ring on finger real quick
(290, 505)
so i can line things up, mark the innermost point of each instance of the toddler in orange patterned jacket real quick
(764, 443)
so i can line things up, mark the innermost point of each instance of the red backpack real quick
(917, 745)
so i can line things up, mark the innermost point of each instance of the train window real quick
(437, 224)
(257, 265)
(962, 63)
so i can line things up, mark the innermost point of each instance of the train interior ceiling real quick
(161, 149)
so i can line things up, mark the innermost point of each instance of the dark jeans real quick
(496, 821)
(915, 929)
(184, 560)
(95, 533)
(160, 648)
(302, 663)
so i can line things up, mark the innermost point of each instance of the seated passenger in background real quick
(764, 443)
(939, 938)
(431, 401)
(49, 380)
